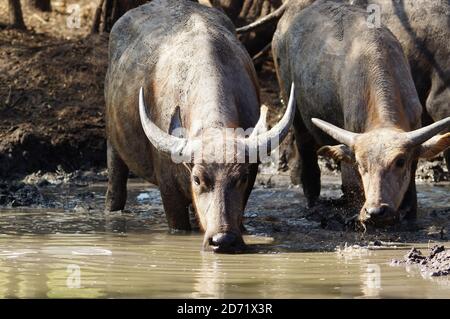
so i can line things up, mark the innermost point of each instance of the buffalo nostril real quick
(223, 240)
(378, 211)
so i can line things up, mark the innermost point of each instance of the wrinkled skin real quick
(423, 29)
(187, 56)
(356, 78)
(222, 188)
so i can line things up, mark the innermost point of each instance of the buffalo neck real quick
(389, 97)
(210, 81)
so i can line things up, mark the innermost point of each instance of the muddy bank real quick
(51, 92)
(51, 103)
(33, 190)
(437, 263)
(17, 194)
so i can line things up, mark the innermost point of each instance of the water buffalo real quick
(423, 29)
(194, 75)
(354, 83)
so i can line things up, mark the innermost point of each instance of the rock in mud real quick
(60, 176)
(436, 264)
(434, 171)
(20, 194)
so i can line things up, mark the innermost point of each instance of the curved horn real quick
(276, 133)
(425, 133)
(339, 134)
(272, 16)
(162, 141)
(261, 126)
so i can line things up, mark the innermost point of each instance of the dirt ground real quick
(51, 95)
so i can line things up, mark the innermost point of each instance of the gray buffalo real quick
(354, 83)
(192, 73)
(423, 29)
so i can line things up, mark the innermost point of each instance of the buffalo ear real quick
(435, 145)
(341, 153)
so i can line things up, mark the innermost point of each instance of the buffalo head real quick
(385, 159)
(220, 185)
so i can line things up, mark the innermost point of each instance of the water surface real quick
(79, 251)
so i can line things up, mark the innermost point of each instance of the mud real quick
(437, 263)
(34, 189)
(18, 194)
(51, 109)
(433, 171)
(275, 209)
(51, 92)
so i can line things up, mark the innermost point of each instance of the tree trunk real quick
(243, 12)
(42, 5)
(97, 18)
(253, 10)
(231, 7)
(109, 11)
(15, 14)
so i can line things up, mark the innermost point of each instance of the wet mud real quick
(437, 263)
(20, 194)
(275, 209)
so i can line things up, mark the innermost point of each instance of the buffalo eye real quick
(400, 162)
(196, 180)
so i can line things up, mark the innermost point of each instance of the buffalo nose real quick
(223, 240)
(378, 211)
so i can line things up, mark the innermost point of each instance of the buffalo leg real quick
(295, 166)
(308, 167)
(116, 194)
(437, 102)
(409, 203)
(177, 210)
(251, 183)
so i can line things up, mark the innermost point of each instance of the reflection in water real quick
(266, 275)
(370, 274)
(162, 265)
(210, 279)
(371, 280)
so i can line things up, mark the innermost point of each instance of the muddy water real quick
(76, 250)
